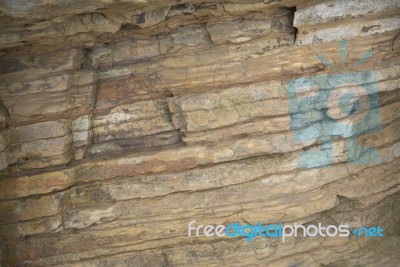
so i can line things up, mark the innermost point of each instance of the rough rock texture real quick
(121, 121)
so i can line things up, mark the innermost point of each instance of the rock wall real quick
(121, 121)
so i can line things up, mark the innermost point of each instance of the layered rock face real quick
(122, 121)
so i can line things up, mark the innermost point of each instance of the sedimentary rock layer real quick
(122, 121)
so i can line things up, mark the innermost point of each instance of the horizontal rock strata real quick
(121, 121)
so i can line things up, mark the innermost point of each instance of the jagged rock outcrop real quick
(121, 121)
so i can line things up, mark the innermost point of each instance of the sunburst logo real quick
(343, 56)
(334, 110)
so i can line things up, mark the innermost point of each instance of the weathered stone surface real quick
(38, 184)
(240, 105)
(139, 125)
(126, 89)
(204, 111)
(107, 213)
(340, 32)
(49, 98)
(42, 65)
(41, 130)
(152, 17)
(121, 121)
(145, 142)
(151, 258)
(32, 145)
(206, 71)
(51, 84)
(329, 11)
(21, 210)
(124, 52)
(82, 135)
(35, 153)
(254, 26)
(92, 22)
(6, 155)
(190, 35)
